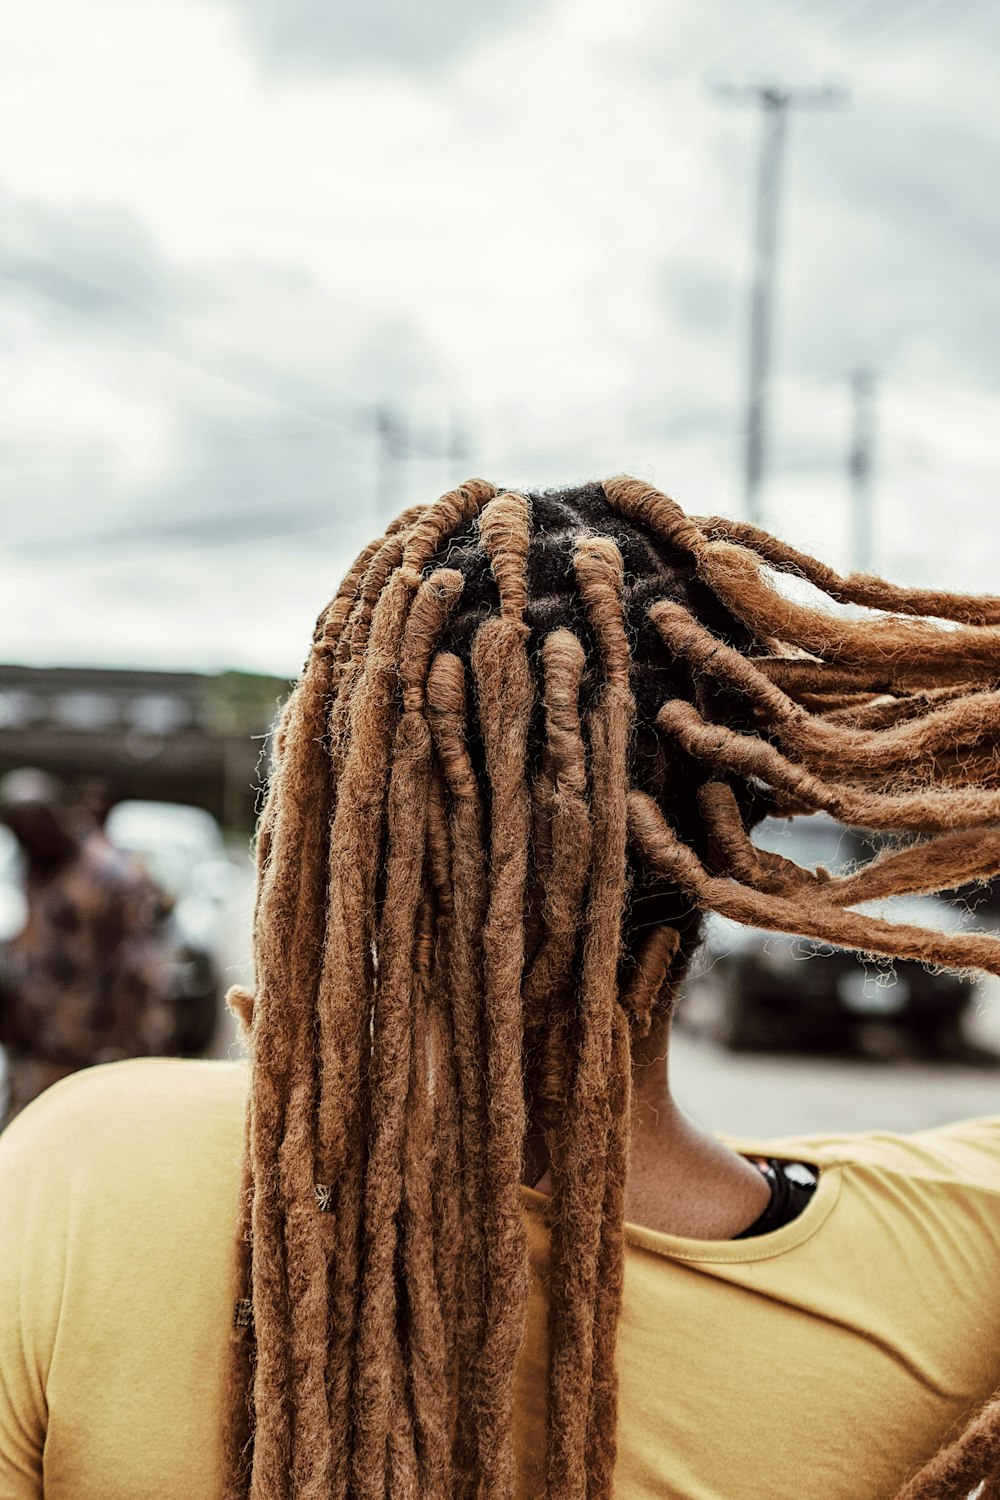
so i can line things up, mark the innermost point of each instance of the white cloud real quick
(215, 270)
(314, 36)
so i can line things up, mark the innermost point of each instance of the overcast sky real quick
(237, 237)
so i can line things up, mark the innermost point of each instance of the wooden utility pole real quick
(860, 466)
(774, 103)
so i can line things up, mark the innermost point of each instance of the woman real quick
(479, 1250)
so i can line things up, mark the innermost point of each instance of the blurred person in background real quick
(87, 980)
(479, 1250)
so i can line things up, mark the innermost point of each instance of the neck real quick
(682, 1179)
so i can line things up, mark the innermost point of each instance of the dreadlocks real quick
(525, 755)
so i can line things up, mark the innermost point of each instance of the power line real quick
(315, 512)
(396, 441)
(964, 396)
(900, 25)
(737, 50)
(178, 341)
(757, 33)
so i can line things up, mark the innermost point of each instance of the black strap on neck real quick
(792, 1185)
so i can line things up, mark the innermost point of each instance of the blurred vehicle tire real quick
(739, 1021)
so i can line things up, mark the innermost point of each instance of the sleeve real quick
(965, 1153)
(32, 1270)
(968, 1151)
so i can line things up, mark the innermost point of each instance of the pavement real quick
(765, 1095)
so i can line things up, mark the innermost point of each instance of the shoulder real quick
(118, 1123)
(961, 1155)
(118, 1199)
(147, 1087)
(114, 1166)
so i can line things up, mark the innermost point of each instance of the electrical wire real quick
(305, 513)
(232, 367)
(904, 21)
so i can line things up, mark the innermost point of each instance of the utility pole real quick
(860, 463)
(458, 444)
(392, 450)
(397, 441)
(775, 103)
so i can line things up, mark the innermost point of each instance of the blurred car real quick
(767, 989)
(13, 906)
(182, 848)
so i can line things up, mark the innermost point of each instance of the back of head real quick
(525, 755)
(39, 812)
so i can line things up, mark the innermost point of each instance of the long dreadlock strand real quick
(599, 572)
(450, 1231)
(444, 1121)
(306, 1238)
(344, 1016)
(858, 711)
(379, 1396)
(288, 931)
(735, 576)
(873, 757)
(428, 1272)
(240, 1395)
(602, 1444)
(505, 694)
(568, 825)
(832, 924)
(948, 860)
(581, 1315)
(423, 1311)
(801, 676)
(957, 1470)
(856, 588)
(652, 965)
(746, 755)
(447, 707)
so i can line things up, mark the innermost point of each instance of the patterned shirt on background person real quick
(88, 979)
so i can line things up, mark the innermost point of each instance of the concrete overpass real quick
(175, 736)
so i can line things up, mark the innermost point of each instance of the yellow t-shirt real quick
(824, 1359)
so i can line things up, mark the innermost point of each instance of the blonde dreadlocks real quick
(523, 758)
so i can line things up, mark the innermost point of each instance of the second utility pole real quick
(860, 467)
(774, 102)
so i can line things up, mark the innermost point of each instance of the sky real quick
(271, 270)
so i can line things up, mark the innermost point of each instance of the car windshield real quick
(170, 839)
(170, 865)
